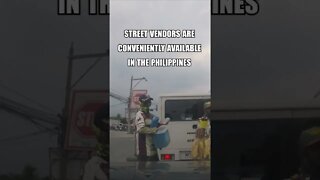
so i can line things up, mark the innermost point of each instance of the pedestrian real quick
(146, 126)
(201, 144)
(310, 153)
(309, 146)
(97, 168)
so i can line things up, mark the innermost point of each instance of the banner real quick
(134, 104)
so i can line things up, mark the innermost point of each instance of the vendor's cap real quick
(145, 98)
(310, 137)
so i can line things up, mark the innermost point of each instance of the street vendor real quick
(146, 126)
(201, 144)
(309, 147)
(97, 168)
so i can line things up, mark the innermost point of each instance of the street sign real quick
(85, 103)
(135, 98)
(85, 118)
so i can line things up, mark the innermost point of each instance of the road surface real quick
(122, 147)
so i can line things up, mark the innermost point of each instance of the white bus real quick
(183, 111)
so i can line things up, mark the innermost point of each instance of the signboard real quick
(135, 98)
(85, 104)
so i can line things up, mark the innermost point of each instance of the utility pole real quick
(130, 130)
(68, 91)
(64, 119)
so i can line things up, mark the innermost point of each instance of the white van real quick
(183, 111)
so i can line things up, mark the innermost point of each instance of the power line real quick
(118, 104)
(27, 112)
(25, 97)
(23, 136)
(119, 97)
(39, 125)
(86, 72)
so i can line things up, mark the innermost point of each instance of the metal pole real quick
(129, 108)
(68, 89)
(66, 109)
(63, 165)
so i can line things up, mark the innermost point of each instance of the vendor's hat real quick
(145, 98)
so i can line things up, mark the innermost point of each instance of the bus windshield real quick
(185, 109)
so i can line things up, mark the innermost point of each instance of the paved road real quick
(184, 170)
(122, 147)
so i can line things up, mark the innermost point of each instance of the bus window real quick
(184, 110)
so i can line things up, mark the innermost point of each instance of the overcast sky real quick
(192, 14)
(268, 60)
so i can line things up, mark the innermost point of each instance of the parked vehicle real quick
(183, 111)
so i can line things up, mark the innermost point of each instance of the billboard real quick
(85, 103)
(134, 104)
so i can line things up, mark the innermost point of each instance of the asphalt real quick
(122, 149)
(121, 146)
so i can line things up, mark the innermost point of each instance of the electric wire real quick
(11, 90)
(22, 136)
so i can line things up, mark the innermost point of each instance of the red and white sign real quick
(85, 104)
(135, 98)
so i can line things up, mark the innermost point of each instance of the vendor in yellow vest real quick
(201, 144)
